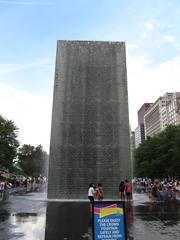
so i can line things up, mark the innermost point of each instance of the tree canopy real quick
(32, 160)
(159, 156)
(8, 142)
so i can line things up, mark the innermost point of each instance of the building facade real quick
(139, 131)
(139, 135)
(165, 111)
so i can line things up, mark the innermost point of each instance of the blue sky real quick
(29, 32)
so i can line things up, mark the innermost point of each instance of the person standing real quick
(99, 192)
(91, 192)
(121, 190)
(127, 187)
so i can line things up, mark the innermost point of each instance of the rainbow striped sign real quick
(109, 221)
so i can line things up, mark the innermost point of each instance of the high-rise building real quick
(139, 131)
(142, 111)
(139, 135)
(132, 144)
(165, 111)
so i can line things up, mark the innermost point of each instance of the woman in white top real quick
(91, 192)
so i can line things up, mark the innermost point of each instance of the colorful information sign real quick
(109, 221)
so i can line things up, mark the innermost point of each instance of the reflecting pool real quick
(31, 217)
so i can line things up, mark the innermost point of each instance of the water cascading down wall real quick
(90, 140)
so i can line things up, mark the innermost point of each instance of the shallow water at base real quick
(32, 217)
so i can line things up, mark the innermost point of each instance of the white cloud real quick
(147, 83)
(144, 35)
(170, 25)
(177, 46)
(131, 45)
(157, 44)
(31, 114)
(172, 40)
(169, 38)
(7, 68)
(149, 25)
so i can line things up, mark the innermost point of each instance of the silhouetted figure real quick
(121, 190)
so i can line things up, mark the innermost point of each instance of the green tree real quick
(159, 156)
(8, 143)
(32, 160)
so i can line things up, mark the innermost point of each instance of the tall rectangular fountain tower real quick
(90, 140)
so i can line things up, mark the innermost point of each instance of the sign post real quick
(109, 221)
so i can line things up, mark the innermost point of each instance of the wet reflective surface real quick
(23, 217)
(69, 220)
(31, 217)
(158, 220)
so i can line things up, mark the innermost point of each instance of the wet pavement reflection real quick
(23, 217)
(31, 217)
(70, 220)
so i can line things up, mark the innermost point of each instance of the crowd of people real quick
(158, 189)
(8, 185)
